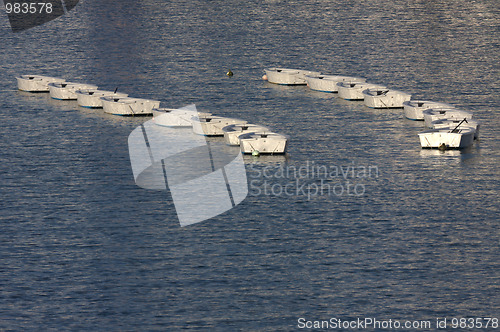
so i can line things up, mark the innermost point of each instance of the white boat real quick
(385, 98)
(444, 113)
(128, 105)
(447, 138)
(413, 109)
(67, 90)
(452, 123)
(36, 83)
(288, 76)
(353, 90)
(328, 83)
(91, 98)
(212, 125)
(263, 143)
(179, 117)
(234, 131)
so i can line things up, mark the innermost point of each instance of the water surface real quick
(83, 248)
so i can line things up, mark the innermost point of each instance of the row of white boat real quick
(252, 139)
(449, 127)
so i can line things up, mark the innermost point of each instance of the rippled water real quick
(83, 248)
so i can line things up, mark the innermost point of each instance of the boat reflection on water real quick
(266, 160)
(445, 157)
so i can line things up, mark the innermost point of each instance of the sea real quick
(356, 223)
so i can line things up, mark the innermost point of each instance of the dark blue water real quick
(83, 248)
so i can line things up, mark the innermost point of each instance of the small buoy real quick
(264, 77)
(442, 147)
(229, 73)
(255, 153)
